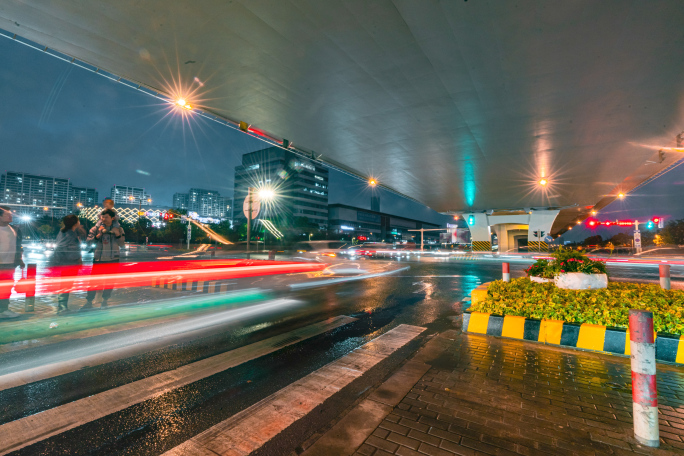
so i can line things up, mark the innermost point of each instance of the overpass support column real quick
(480, 234)
(501, 232)
(540, 222)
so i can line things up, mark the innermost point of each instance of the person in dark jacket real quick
(109, 239)
(10, 258)
(66, 258)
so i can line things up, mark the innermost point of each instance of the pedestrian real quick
(108, 203)
(10, 258)
(66, 259)
(109, 239)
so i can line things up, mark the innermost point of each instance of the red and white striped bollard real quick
(506, 271)
(644, 389)
(664, 270)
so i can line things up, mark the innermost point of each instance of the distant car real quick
(318, 249)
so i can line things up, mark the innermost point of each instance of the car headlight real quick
(83, 246)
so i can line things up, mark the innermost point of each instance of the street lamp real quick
(621, 195)
(543, 181)
(310, 234)
(372, 182)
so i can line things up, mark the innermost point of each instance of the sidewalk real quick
(479, 395)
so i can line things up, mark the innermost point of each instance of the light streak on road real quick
(213, 235)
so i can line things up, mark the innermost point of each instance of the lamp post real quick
(250, 196)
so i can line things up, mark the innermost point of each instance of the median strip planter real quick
(588, 336)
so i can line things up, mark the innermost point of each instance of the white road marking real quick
(251, 428)
(27, 431)
(320, 283)
(124, 345)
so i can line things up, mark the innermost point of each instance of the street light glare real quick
(372, 182)
(621, 195)
(266, 193)
(543, 181)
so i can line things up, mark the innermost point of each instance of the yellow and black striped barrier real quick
(537, 246)
(209, 286)
(482, 246)
(669, 347)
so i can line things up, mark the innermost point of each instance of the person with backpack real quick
(66, 258)
(10, 258)
(109, 239)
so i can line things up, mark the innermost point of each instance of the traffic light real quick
(650, 224)
(166, 216)
(471, 220)
(658, 221)
(161, 217)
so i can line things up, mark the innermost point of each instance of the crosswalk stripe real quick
(27, 431)
(251, 428)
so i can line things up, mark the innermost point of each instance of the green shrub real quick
(566, 260)
(609, 306)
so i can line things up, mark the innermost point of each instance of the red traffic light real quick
(656, 219)
(592, 223)
(166, 215)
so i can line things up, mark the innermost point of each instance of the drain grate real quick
(287, 341)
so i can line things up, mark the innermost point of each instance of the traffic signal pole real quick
(250, 192)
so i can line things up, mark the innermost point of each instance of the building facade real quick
(32, 194)
(180, 201)
(300, 185)
(130, 195)
(80, 197)
(377, 226)
(206, 203)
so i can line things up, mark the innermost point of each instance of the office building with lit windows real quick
(130, 195)
(81, 197)
(32, 194)
(300, 185)
(205, 203)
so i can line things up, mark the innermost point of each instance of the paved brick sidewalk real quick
(490, 396)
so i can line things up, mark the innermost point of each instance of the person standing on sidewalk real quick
(10, 258)
(67, 258)
(109, 239)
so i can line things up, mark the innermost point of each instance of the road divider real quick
(251, 428)
(32, 429)
(669, 347)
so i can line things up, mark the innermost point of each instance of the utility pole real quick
(250, 192)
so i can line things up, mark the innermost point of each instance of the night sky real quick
(61, 120)
(64, 121)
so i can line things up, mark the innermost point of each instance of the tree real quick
(46, 230)
(622, 239)
(673, 233)
(593, 240)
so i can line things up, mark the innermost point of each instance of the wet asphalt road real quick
(423, 295)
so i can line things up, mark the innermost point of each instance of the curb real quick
(212, 286)
(669, 347)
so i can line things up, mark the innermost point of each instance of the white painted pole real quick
(506, 271)
(644, 388)
(664, 270)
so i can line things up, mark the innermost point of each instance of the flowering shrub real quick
(608, 306)
(565, 260)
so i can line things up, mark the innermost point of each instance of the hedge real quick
(607, 307)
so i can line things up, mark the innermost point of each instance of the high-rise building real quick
(130, 195)
(35, 194)
(180, 201)
(206, 203)
(81, 197)
(300, 184)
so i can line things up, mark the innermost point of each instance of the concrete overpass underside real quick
(463, 106)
